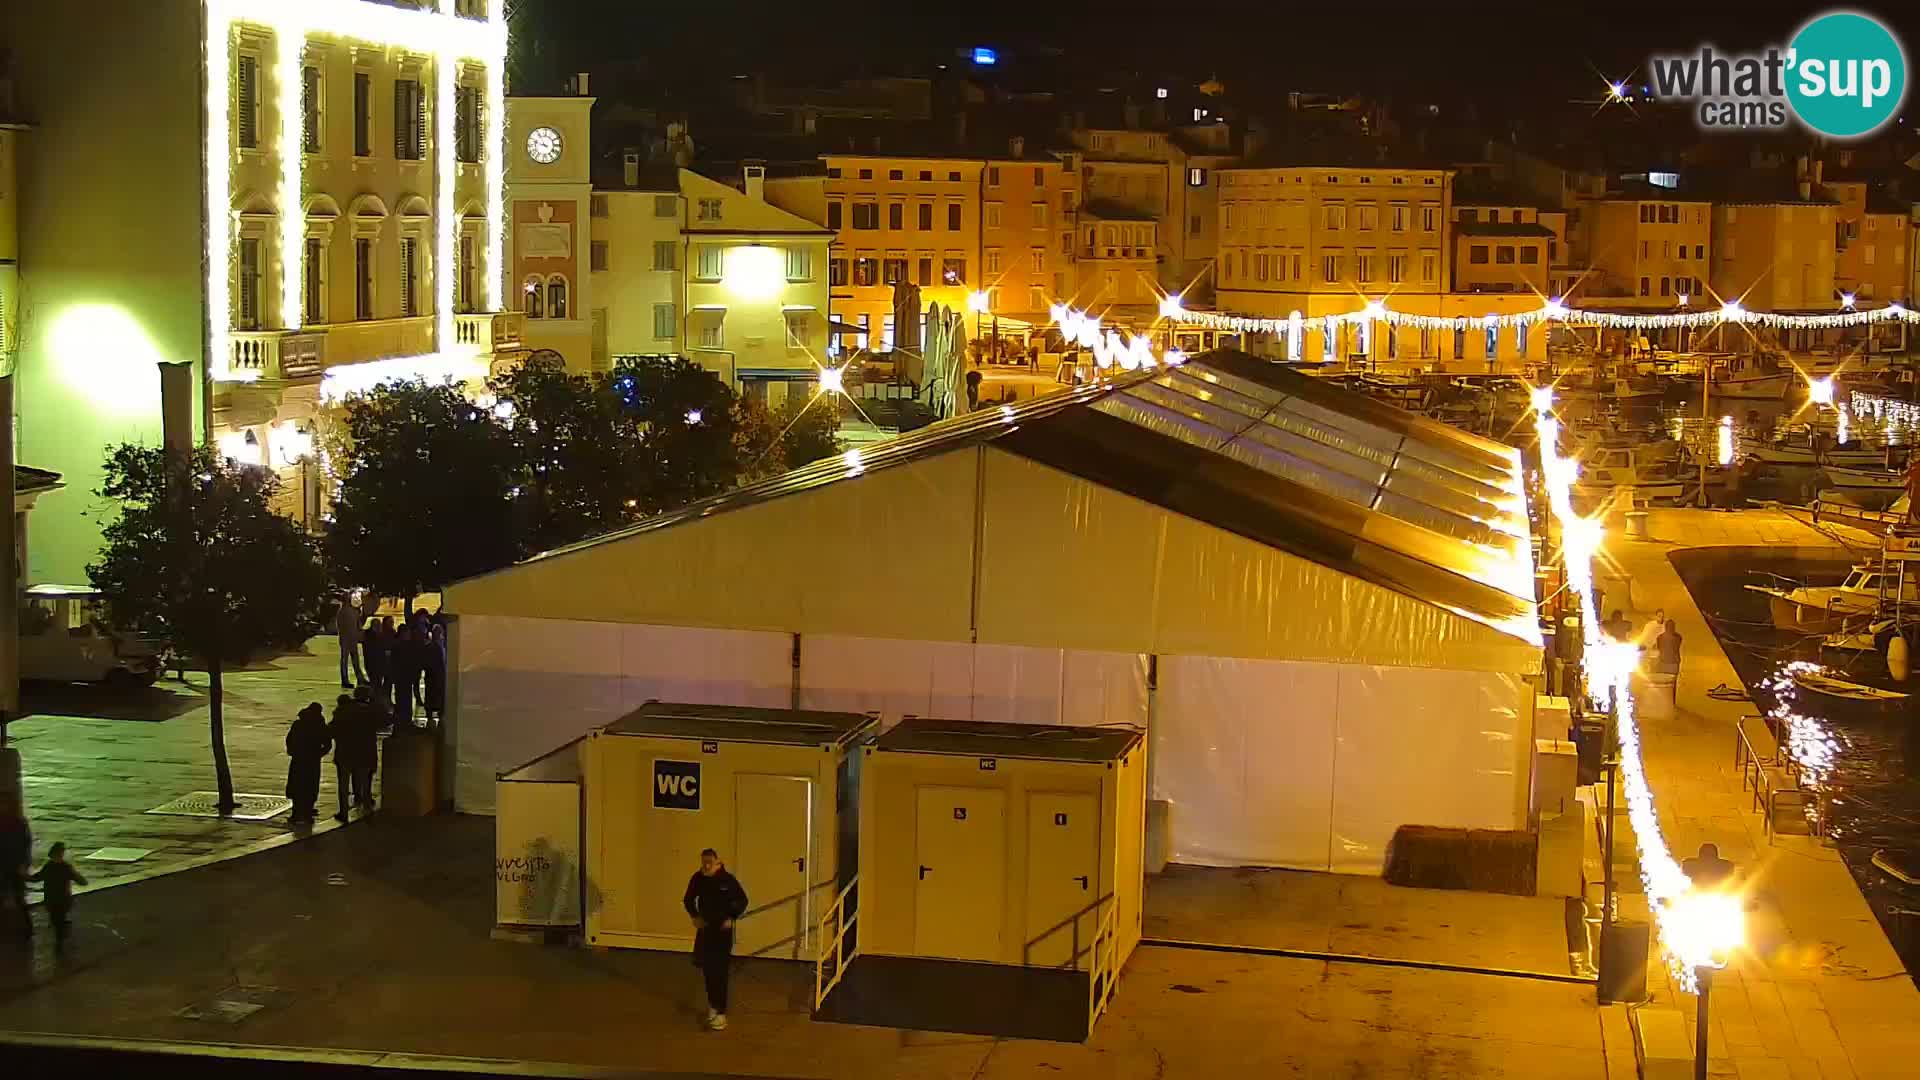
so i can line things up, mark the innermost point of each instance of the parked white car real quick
(64, 637)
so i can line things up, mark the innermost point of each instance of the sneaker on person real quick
(718, 1022)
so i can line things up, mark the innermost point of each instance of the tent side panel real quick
(525, 686)
(892, 549)
(1426, 747)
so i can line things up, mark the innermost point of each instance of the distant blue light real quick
(984, 56)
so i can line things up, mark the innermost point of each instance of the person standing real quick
(378, 646)
(1666, 649)
(403, 672)
(346, 623)
(344, 730)
(56, 880)
(434, 701)
(714, 899)
(307, 743)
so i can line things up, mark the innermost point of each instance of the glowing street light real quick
(1846, 301)
(1541, 398)
(978, 301)
(1170, 306)
(1703, 928)
(693, 416)
(1820, 391)
(833, 380)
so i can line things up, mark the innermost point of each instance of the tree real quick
(584, 456)
(198, 558)
(427, 485)
(803, 430)
(685, 418)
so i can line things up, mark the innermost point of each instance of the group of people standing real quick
(354, 737)
(402, 664)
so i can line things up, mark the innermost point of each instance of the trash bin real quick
(1637, 524)
(1623, 961)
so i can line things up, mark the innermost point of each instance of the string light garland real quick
(1690, 938)
(1551, 311)
(1109, 349)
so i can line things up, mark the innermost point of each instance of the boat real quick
(1843, 690)
(1863, 479)
(1406, 391)
(1758, 387)
(1827, 609)
(1804, 445)
(1902, 868)
(1650, 472)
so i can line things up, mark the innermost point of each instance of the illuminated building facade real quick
(346, 158)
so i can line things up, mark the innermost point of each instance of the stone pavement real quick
(1821, 993)
(375, 937)
(94, 760)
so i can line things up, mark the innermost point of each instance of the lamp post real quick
(1704, 976)
(1702, 927)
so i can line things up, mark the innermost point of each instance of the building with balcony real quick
(345, 161)
(1501, 245)
(1172, 176)
(1647, 247)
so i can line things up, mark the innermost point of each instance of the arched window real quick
(536, 299)
(556, 297)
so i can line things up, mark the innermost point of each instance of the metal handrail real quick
(1102, 968)
(832, 943)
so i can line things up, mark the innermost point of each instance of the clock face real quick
(543, 145)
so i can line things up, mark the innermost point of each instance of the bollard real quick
(1623, 961)
(1636, 524)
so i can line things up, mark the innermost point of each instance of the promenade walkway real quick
(1821, 994)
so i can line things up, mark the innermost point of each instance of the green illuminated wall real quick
(111, 276)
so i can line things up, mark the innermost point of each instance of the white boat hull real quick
(1863, 479)
(1760, 388)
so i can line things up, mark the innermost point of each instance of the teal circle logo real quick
(1846, 74)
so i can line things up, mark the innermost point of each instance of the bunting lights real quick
(1110, 349)
(449, 39)
(1551, 311)
(1694, 926)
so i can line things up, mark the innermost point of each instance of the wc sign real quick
(676, 785)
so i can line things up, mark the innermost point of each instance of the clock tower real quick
(549, 201)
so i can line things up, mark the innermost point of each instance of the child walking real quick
(56, 879)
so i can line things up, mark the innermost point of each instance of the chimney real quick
(756, 181)
(581, 84)
(1017, 147)
(630, 168)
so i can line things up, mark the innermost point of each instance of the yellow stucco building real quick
(1646, 248)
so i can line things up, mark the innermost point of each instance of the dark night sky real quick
(1501, 53)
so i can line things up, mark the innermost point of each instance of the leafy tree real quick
(198, 558)
(802, 430)
(685, 418)
(588, 469)
(427, 483)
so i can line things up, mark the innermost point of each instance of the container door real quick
(773, 821)
(960, 897)
(1063, 878)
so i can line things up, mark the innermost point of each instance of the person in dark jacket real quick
(714, 899)
(404, 661)
(16, 853)
(355, 746)
(376, 645)
(307, 743)
(56, 880)
(434, 701)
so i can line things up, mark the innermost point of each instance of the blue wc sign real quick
(676, 784)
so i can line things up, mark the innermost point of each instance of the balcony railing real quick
(276, 354)
(490, 331)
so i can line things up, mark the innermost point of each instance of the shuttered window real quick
(249, 284)
(363, 278)
(246, 101)
(362, 114)
(314, 282)
(409, 263)
(466, 101)
(310, 109)
(467, 265)
(409, 120)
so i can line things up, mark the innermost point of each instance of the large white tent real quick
(1320, 607)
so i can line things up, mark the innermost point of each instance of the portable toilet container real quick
(772, 790)
(1001, 873)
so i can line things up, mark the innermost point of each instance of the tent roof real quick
(1244, 445)
(977, 738)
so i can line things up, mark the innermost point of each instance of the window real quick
(1646, 286)
(1646, 213)
(953, 176)
(1037, 299)
(1470, 215)
(866, 270)
(953, 271)
(1477, 254)
(663, 255)
(468, 274)
(953, 217)
(925, 211)
(1369, 217)
(1666, 286)
(1646, 249)
(1037, 260)
(896, 174)
(410, 278)
(466, 131)
(1504, 255)
(247, 285)
(666, 206)
(1868, 253)
(836, 271)
(896, 215)
(1396, 268)
(834, 216)
(866, 215)
(993, 260)
(362, 114)
(1429, 267)
(1329, 268)
(1530, 255)
(993, 176)
(313, 289)
(866, 325)
(665, 324)
(924, 271)
(893, 270)
(993, 215)
(926, 174)
(1429, 218)
(1699, 251)
(799, 329)
(310, 109)
(866, 174)
(833, 173)
(597, 255)
(1493, 216)
(246, 101)
(1666, 250)
(1193, 225)
(711, 262)
(1038, 218)
(1399, 217)
(1196, 177)
(597, 206)
(713, 331)
(799, 264)
(363, 278)
(409, 121)
(1363, 267)
(1336, 217)
(556, 297)
(709, 210)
